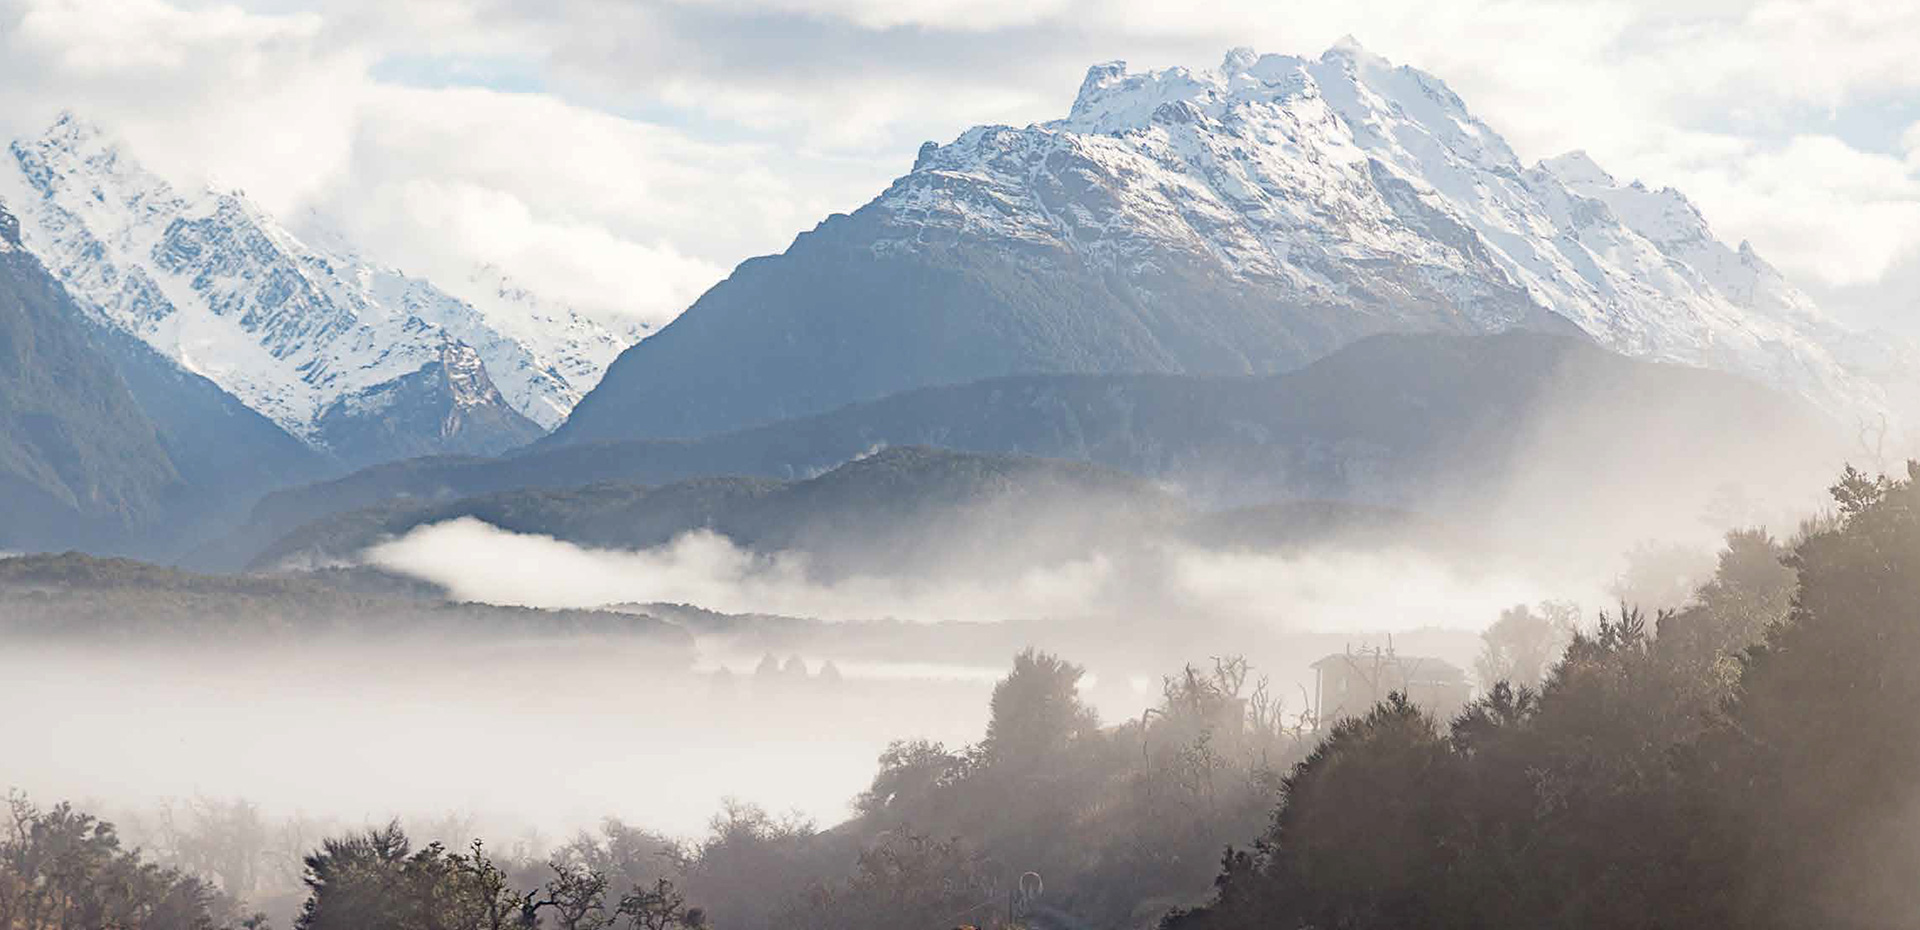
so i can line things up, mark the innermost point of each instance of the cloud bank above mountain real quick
(623, 155)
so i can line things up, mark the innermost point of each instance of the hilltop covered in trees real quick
(61, 869)
(74, 597)
(1752, 760)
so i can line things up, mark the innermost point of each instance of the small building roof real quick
(1422, 668)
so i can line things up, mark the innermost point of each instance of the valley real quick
(1250, 496)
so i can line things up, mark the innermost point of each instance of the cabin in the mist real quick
(1348, 684)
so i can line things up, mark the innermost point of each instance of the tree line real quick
(1750, 758)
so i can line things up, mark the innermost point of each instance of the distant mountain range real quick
(177, 354)
(1288, 279)
(896, 508)
(1437, 424)
(1241, 221)
(306, 331)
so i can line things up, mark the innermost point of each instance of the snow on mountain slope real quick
(1239, 221)
(291, 325)
(580, 347)
(1339, 178)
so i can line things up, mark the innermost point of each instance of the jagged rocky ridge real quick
(306, 331)
(1239, 221)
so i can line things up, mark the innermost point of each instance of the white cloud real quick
(1676, 94)
(576, 263)
(139, 37)
(614, 215)
(658, 142)
(260, 99)
(959, 15)
(611, 215)
(1141, 579)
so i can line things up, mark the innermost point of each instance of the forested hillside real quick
(1443, 425)
(76, 599)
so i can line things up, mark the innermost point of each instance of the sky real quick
(623, 155)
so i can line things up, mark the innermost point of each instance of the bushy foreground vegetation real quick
(1750, 759)
(64, 870)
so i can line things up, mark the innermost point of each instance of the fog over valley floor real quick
(660, 748)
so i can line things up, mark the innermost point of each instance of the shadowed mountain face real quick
(833, 321)
(1236, 222)
(1437, 424)
(826, 324)
(449, 405)
(109, 445)
(79, 461)
(901, 510)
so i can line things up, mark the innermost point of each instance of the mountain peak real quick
(1577, 169)
(69, 125)
(1349, 49)
(1220, 222)
(76, 138)
(1346, 45)
(1099, 79)
(9, 230)
(1112, 99)
(1238, 60)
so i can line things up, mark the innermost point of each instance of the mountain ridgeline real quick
(1287, 279)
(354, 358)
(897, 511)
(1449, 426)
(1244, 221)
(252, 358)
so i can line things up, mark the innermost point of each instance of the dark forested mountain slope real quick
(900, 509)
(79, 461)
(73, 597)
(1423, 422)
(106, 444)
(227, 454)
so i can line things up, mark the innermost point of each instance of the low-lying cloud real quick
(1321, 590)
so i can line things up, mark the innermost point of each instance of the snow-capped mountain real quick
(1239, 220)
(1308, 174)
(578, 347)
(302, 328)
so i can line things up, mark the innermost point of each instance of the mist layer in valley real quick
(648, 652)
